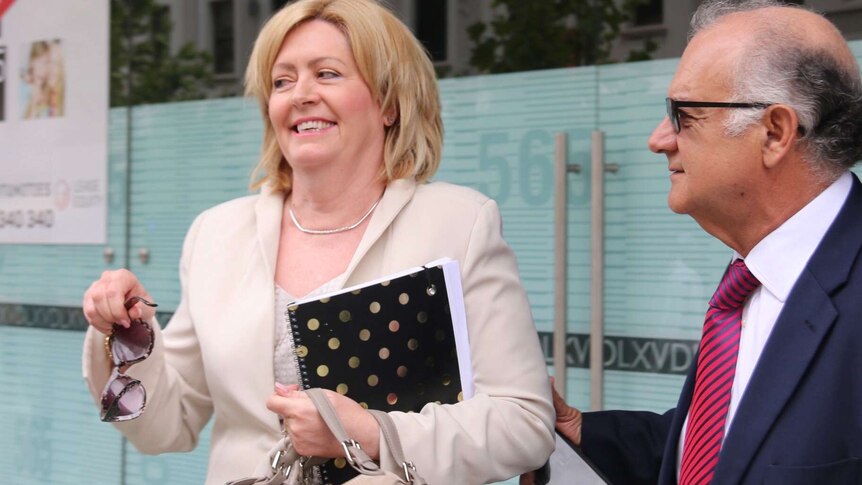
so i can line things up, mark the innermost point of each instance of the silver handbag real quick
(288, 467)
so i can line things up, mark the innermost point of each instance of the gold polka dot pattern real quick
(387, 346)
(374, 307)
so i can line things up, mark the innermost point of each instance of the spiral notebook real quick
(393, 344)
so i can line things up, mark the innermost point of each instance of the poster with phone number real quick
(54, 57)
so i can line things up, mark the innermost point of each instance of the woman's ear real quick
(782, 132)
(390, 116)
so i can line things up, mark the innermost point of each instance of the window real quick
(649, 12)
(222, 28)
(431, 27)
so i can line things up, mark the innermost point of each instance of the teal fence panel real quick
(186, 157)
(500, 140)
(50, 429)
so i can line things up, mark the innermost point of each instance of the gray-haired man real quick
(764, 122)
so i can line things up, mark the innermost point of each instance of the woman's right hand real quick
(104, 301)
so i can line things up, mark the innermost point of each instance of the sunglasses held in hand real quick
(123, 397)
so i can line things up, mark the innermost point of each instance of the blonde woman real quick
(352, 133)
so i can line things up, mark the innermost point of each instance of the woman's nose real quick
(305, 92)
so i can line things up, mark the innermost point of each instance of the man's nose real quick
(663, 137)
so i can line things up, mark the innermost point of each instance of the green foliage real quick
(650, 46)
(545, 34)
(142, 67)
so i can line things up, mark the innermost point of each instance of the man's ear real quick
(782, 132)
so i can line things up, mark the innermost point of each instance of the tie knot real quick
(737, 284)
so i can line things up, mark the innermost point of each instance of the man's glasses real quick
(673, 107)
(123, 397)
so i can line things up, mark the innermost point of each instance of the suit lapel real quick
(804, 321)
(667, 476)
(806, 318)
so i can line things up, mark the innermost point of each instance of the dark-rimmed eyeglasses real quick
(673, 107)
(123, 397)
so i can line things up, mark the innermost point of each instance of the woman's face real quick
(321, 109)
(40, 67)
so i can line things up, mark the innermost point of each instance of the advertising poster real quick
(54, 57)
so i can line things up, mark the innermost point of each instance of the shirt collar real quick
(779, 258)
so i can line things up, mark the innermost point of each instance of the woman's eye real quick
(327, 74)
(280, 83)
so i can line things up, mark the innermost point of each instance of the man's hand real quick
(568, 418)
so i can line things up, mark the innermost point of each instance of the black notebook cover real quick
(389, 345)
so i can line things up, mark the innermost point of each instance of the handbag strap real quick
(357, 458)
(362, 462)
(282, 466)
(393, 441)
(283, 460)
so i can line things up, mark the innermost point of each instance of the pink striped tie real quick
(716, 367)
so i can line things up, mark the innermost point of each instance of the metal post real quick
(127, 226)
(597, 336)
(560, 259)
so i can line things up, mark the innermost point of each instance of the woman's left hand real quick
(308, 432)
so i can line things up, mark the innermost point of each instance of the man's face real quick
(711, 173)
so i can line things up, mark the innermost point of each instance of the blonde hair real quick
(394, 66)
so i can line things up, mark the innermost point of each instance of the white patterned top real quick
(284, 362)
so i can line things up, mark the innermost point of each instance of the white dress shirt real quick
(777, 261)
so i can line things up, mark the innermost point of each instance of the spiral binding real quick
(297, 341)
(302, 367)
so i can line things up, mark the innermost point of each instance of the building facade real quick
(227, 29)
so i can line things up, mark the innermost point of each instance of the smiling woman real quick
(323, 114)
(352, 134)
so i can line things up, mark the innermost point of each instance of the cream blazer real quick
(215, 356)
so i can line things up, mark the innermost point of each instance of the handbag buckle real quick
(346, 445)
(276, 458)
(408, 466)
(278, 464)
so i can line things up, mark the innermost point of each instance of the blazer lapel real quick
(806, 318)
(270, 205)
(396, 196)
(268, 212)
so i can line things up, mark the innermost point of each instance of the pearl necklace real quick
(330, 231)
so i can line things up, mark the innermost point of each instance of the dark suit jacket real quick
(800, 420)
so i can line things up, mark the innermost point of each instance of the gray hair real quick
(779, 67)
